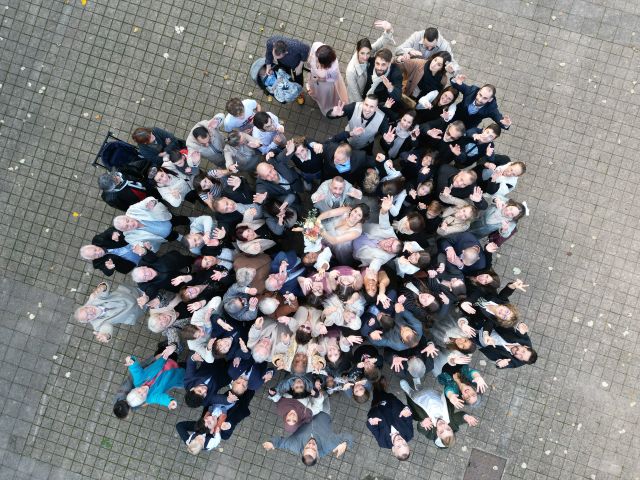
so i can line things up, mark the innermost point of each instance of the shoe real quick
(300, 100)
(416, 383)
(404, 385)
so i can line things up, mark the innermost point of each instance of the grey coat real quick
(121, 306)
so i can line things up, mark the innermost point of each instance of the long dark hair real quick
(449, 89)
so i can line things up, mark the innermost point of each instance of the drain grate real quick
(484, 466)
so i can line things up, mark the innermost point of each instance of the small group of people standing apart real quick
(320, 267)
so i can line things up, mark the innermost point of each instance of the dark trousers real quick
(184, 428)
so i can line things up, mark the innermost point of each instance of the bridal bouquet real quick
(310, 226)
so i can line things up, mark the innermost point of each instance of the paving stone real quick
(564, 70)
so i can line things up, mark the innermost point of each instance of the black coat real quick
(389, 410)
(290, 175)
(394, 76)
(511, 335)
(105, 241)
(359, 164)
(168, 266)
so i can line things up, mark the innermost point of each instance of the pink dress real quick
(325, 86)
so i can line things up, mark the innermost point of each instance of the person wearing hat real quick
(120, 190)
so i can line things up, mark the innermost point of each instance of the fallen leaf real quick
(67, 375)
(166, 55)
(136, 29)
(75, 214)
(31, 316)
(523, 465)
(98, 117)
(516, 271)
(605, 384)
(179, 29)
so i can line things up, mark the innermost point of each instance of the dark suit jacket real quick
(291, 176)
(389, 411)
(168, 266)
(258, 370)
(490, 110)
(394, 76)
(359, 164)
(105, 241)
(511, 335)
(459, 243)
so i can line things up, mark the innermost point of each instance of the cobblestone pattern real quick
(566, 71)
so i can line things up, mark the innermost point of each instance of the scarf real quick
(376, 80)
(401, 135)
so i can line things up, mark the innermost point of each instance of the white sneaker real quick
(406, 388)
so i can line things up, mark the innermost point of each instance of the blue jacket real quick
(391, 339)
(388, 410)
(167, 380)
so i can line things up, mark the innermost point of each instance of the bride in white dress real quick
(340, 227)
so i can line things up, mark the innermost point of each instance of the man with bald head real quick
(279, 180)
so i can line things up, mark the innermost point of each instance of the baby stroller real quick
(278, 84)
(116, 153)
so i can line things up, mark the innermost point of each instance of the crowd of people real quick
(334, 264)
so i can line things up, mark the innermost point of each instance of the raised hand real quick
(506, 121)
(390, 101)
(476, 196)
(356, 132)
(503, 362)
(455, 149)
(518, 284)
(481, 385)
(259, 197)
(318, 148)
(387, 83)
(406, 412)
(290, 148)
(491, 247)
(412, 158)
(390, 136)
(430, 350)
(383, 24)
(427, 424)
(467, 307)
(338, 111)
(396, 364)
(470, 420)
(459, 79)
(435, 133)
(456, 401)
(387, 203)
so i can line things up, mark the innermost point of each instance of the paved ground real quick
(566, 71)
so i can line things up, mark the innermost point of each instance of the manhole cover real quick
(484, 466)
